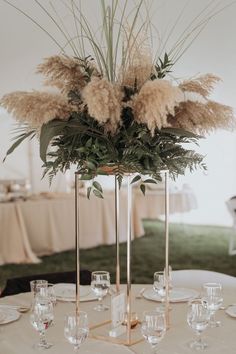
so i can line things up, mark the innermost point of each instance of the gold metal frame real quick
(117, 231)
(129, 341)
(77, 249)
(167, 274)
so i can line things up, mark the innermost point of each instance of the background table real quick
(45, 224)
(18, 337)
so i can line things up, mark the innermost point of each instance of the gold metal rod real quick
(99, 324)
(115, 340)
(117, 231)
(108, 339)
(129, 234)
(77, 245)
(167, 309)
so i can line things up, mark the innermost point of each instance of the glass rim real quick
(100, 272)
(196, 301)
(35, 281)
(161, 272)
(153, 313)
(74, 314)
(212, 285)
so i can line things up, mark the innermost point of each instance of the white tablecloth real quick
(43, 226)
(19, 337)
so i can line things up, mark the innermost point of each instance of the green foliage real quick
(162, 67)
(143, 188)
(18, 140)
(83, 142)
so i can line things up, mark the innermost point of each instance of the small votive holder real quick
(134, 321)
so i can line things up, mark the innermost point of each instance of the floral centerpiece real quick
(114, 107)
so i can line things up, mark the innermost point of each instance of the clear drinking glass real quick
(35, 285)
(198, 317)
(153, 328)
(41, 317)
(100, 284)
(159, 284)
(51, 294)
(213, 299)
(47, 291)
(76, 329)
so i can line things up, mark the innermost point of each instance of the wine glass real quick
(76, 329)
(159, 284)
(100, 284)
(153, 328)
(35, 285)
(52, 294)
(213, 299)
(198, 317)
(47, 291)
(41, 317)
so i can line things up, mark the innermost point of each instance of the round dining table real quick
(18, 337)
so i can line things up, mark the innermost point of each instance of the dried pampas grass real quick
(36, 108)
(155, 101)
(202, 85)
(138, 67)
(137, 73)
(202, 118)
(103, 100)
(65, 73)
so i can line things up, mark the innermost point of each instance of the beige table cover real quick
(14, 241)
(19, 337)
(45, 225)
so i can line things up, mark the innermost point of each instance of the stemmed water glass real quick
(213, 299)
(198, 317)
(41, 317)
(36, 285)
(100, 284)
(76, 329)
(47, 291)
(159, 284)
(153, 328)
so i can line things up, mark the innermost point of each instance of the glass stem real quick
(42, 338)
(100, 301)
(154, 348)
(163, 302)
(76, 348)
(212, 320)
(213, 317)
(199, 337)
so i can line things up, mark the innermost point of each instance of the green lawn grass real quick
(195, 247)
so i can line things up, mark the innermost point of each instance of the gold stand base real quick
(97, 332)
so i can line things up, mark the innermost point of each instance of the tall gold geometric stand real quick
(130, 339)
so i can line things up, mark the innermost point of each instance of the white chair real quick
(194, 278)
(231, 205)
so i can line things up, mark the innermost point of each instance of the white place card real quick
(117, 309)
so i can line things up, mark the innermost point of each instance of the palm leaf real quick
(48, 132)
(19, 140)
